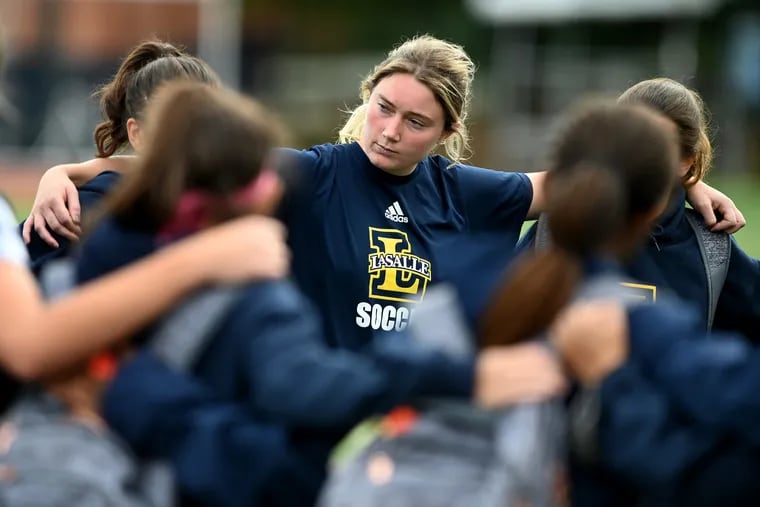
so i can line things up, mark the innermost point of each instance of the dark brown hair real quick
(147, 66)
(198, 137)
(611, 165)
(686, 109)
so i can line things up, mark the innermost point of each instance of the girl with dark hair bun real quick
(122, 104)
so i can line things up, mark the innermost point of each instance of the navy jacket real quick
(220, 453)
(90, 195)
(270, 356)
(678, 425)
(671, 262)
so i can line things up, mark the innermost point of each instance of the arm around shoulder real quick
(37, 339)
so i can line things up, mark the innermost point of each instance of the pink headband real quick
(193, 210)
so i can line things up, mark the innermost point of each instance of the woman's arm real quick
(704, 198)
(38, 338)
(538, 204)
(82, 172)
(707, 200)
(713, 379)
(664, 446)
(294, 378)
(56, 204)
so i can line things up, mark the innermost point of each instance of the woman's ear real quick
(685, 165)
(447, 133)
(134, 133)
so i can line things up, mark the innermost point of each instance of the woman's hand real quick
(592, 338)
(517, 374)
(251, 247)
(56, 206)
(707, 200)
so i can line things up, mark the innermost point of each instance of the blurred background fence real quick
(305, 58)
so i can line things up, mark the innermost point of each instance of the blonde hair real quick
(687, 110)
(443, 67)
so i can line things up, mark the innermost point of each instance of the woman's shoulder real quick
(317, 154)
(316, 167)
(480, 182)
(469, 171)
(102, 183)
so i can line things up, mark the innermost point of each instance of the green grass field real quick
(744, 191)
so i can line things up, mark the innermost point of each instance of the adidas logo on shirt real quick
(394, 213)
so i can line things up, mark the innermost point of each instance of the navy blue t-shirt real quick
(367, 244)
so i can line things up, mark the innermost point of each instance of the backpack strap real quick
(715, 248)
(585, 409)
(183, 334)
(543, 238)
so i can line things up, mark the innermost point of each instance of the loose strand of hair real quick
(352, 129)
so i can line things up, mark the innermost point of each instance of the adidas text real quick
(394, 213)
(396, 218)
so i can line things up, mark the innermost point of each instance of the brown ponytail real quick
(147, 65)
(585, 208)
(111, 134)
(611, 165)
(537, 286)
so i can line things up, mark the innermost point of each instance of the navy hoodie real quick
(671, 262)
(90, 195)
(270, 355)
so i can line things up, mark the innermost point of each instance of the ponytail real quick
(536, 288)
(586, 207)
(611, 167)
(111, 134)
